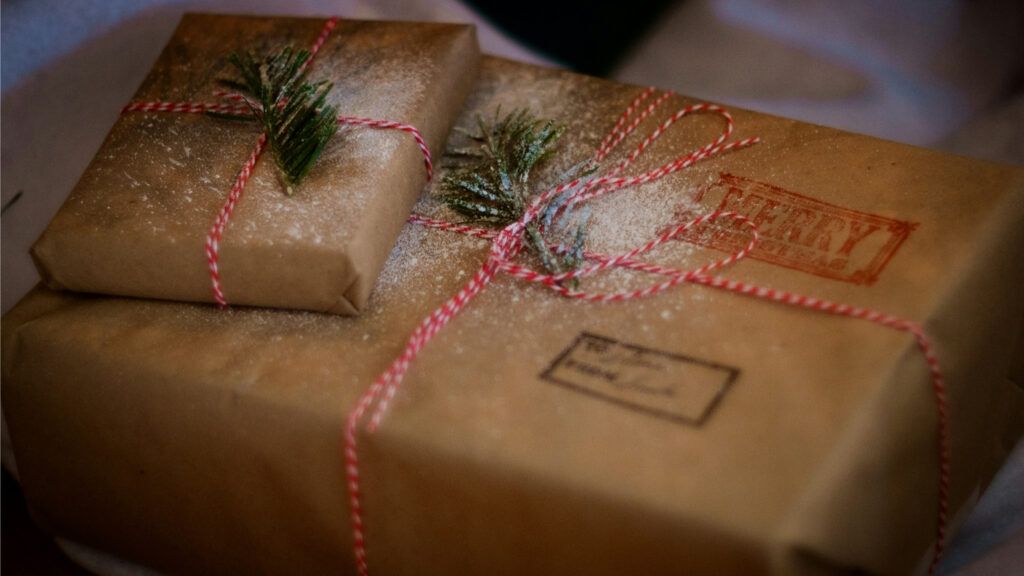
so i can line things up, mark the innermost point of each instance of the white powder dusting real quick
(187, 163)
(622, 220)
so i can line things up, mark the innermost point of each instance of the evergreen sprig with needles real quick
(294, 112)
(492, 186)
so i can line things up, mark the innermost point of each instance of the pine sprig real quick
(492, 187)
(295, 114)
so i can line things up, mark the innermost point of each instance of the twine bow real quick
(507, 244)
(236, 104)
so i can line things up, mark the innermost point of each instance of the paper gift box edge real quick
(461, 67)
(910, 358)
(822, 525)
(1007, 217)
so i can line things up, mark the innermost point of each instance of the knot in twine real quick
(507, 244)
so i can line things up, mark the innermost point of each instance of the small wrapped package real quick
(140, 221)
(699, 431)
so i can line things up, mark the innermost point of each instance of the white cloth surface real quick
(912, 71)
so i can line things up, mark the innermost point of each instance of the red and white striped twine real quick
(236, 104)
(507, 243)
(428, 163)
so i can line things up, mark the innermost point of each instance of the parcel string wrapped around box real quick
(124, 230)
(554, 203)
(704, 430)
(283, 93)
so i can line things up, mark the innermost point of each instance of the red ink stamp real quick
(797, 232)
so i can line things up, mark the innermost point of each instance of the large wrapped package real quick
(141, 220)
(716, 427)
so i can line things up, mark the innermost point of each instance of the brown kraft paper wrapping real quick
(136, 223)
(698, 431)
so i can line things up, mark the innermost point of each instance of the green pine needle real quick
(493, 187)
(294, 112)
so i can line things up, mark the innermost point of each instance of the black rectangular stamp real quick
(663, 384)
